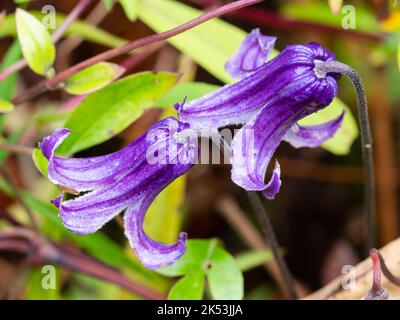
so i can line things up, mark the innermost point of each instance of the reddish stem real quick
(376, 269)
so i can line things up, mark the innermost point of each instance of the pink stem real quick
(376, 268)
(110, 54)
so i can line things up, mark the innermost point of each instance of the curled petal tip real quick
(50, 143)
(274, 184)
(252, 54)
(151, 253)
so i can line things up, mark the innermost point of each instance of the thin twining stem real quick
(59, 78)
(366, 139)
(56, 36)
(272, 242)
(265, 224)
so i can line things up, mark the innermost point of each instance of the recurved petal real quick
(289, 76)
(313, 136)
(151, 253)
(273, 186)
(50, 143)
(88, 213)
(252, 149)
(82, 174)
(252, 54)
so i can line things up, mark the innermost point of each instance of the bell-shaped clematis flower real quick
(268, 101)
(129, 180)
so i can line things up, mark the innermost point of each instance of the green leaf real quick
(195, 258)
(7, 85)
(342, 141)
(207, 257)
(130, 8)
(6, 106)
(110, 110)
(188, 90)
(40, 161)
(93, 78)
(37, 46)
(211, 44)
(253, 259)
(224, 277)
(190, 287)
(78, 28)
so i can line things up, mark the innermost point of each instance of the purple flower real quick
(129, 180)
(252, 54)
(268, 101)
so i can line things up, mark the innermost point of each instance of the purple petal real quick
(57, 201)
(151, 253)
(273, 82)
(89, 212)
(51, 143)
(274, 184)
(83, 174)
(313, 136)
(128, 181)
(252, 54)
(254, 145)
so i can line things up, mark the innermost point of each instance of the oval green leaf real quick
(224, 277)
(36, 44)
(93, 78)
(110, 110)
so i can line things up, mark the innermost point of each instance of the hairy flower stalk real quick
(369, 191)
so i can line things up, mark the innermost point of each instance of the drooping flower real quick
(268, 100)
(129, 180)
